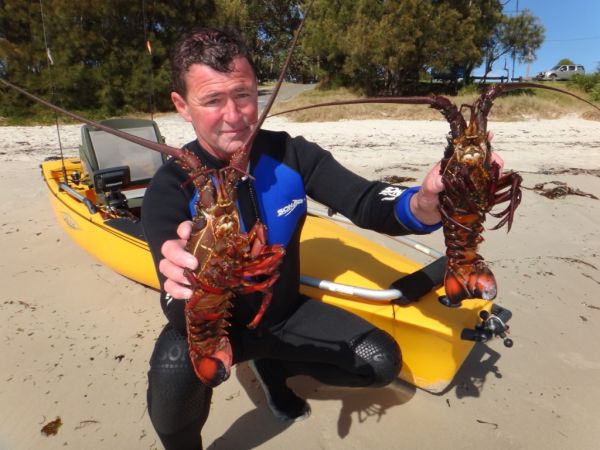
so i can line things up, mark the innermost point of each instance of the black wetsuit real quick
(309, 337)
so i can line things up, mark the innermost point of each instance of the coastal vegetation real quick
(106, 58)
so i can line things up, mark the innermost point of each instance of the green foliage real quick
(98, 50)
(385, 46)
(589, 83)
(520, 36)
(100, 61)
(565, 61)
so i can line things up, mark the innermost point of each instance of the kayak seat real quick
(103, 153)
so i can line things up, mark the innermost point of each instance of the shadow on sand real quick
(359, 405)
(470, 378)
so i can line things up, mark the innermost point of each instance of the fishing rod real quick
(50, 62)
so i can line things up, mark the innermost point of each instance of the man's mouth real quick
(236, 131)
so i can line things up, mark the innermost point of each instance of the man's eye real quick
(212, 102)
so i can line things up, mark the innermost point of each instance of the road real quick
(287, 91)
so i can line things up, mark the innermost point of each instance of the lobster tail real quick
(206, 315)
(212, 370)
(477, 281)
(467, 275)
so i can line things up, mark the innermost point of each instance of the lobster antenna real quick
(49, 62)
(442, 104)
(383, 100)
(156, 146)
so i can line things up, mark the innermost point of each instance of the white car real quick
(561, 72)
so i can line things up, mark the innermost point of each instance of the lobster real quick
(226, 258)
(473, 185)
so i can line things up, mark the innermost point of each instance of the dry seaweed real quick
(394, 179)
(51, 428)
(560, 190)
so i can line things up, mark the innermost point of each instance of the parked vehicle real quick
(561, 72)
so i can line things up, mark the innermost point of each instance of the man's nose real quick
(232, 111)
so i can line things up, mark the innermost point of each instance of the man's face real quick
(222, 107)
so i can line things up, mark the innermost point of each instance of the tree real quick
(521, 36)
(464, 36)
(100, 48)
(385, 46)
(565, 61)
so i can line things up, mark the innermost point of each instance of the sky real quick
(572, 31)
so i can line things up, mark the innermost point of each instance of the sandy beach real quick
(76, 337)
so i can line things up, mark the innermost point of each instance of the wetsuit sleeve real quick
(368, 204)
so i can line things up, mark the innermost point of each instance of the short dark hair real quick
(209, 46)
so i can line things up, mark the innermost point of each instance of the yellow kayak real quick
(339, 266)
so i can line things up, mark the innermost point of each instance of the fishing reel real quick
(493, 324)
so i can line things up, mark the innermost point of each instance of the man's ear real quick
(181, 106)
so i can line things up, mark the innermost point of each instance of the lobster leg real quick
(264, 264)
(513, 195)
(266, 301)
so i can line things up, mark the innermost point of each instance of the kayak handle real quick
(380, 295)
(77, 196)
(406, 290)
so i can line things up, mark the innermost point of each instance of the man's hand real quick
(174, 262)
(424, 204)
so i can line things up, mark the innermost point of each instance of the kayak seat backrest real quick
(101, 150)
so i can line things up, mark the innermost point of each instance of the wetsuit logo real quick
(391, 193)
(287, 210)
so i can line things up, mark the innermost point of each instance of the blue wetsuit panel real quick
(281, 198)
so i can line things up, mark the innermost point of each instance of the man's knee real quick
(176, 398)
(381, 353)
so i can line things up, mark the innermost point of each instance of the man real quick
(215, 88)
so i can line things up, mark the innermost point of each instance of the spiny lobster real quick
(473, 185)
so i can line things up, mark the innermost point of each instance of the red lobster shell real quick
(227, 258)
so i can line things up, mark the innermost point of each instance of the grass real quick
(511, 106)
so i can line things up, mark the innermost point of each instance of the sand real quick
(76, 337)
